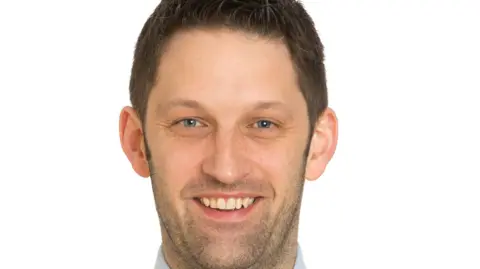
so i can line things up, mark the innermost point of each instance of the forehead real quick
(224, 67)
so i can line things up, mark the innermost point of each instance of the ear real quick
(131, 138)
(323, 144)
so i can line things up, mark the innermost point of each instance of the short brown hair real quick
(283, 19)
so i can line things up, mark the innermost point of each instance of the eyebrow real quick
(263, 105)
(180, 102)
(188, 103)
(163, 108)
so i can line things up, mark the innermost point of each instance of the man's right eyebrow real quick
(188, 103)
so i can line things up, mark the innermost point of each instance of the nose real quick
(226, 159)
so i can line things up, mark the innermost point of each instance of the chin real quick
(226, 257)
(230, 252)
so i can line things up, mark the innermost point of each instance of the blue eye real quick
(189, 123)
(263, 124)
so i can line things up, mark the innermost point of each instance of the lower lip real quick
(236, 215)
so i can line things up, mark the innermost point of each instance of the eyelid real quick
(275, 123)
(200, 121)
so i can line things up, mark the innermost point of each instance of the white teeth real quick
(213, 203)
(238, 203)
(221, 203)
(247, 201)
(227, 204)
(206, 201)
(231, 204)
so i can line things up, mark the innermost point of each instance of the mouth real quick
(227, 209)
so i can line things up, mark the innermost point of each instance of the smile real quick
(227, 209)
(227, 204)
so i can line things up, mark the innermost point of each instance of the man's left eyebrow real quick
(265, 105)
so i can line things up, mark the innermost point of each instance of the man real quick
(229, 118)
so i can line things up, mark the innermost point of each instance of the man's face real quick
(227, 128)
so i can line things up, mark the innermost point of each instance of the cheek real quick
(176, 165)
(283, 168)
(172, 173)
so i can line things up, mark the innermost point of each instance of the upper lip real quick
(227, 195)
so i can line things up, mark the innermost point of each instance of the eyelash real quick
(183, 120)
(269, 122)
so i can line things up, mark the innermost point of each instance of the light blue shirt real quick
(161, 264)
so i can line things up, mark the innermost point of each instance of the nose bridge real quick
(226, 161)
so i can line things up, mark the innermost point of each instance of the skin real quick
(226, 114)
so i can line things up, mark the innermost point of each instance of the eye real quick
(190, 123)
(263, 124)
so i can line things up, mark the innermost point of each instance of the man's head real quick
(229, 118)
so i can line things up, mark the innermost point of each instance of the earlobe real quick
(131, 138)
(323, 145)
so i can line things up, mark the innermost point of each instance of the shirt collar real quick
(161, 264)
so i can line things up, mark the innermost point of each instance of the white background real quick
(401, 192)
